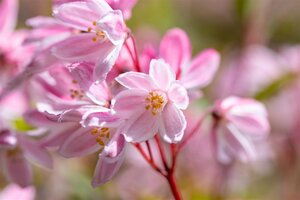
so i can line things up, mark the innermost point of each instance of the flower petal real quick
(175, 49)
(109, 161)
(141, 126)
(109, 55)
(136, 80)
(78, 15)
(161, 73)
(240, 145)
(8, 17)
(81, 47)
(13, 191)
(202, 69)
(114, 27)
(79, 143)
(129, 102)
(178, 95)
(34, 152)
(99, 118)
(18, 169)
(172, 124)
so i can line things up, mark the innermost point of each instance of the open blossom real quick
(102, 32)
(152, 103)
(242, 121)
(196, 73)
(79, 103)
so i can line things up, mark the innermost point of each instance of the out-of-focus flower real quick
(241, 121)
(102, 32)
(152, 103)
(14, 192)
(175, 49)
(16, 146)
(13, 55)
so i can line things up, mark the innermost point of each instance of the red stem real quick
(149, 150)
(137, 62)
(173, 186)
(162, 153)
(151, 162)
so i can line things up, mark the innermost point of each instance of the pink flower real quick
(13, 191)
(175, 49)
(152, 103)
(79, 104)
(102, 32)
(242, 121)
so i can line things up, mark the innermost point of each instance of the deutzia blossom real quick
(152, 104)
(101, 34)
(241, 122)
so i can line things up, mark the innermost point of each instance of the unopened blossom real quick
(101, 34)
(196, 73)
(152, 103)
(240, 121)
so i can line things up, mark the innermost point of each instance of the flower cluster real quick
(75, 83)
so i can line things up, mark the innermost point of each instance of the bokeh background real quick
(251, 33)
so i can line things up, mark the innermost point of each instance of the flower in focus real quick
(240, 122)
(152, 103)
(101, 34)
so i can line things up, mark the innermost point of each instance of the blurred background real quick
(260, 59)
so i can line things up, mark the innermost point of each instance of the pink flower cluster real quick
(78, 85)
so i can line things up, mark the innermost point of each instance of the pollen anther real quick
(154, 102)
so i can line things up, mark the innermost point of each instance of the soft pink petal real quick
(8, 16)
(78, 15)
(99, 118)
(202, 69)
(240, 144)
(18, 169)
(59, 134)
(34, 152)
(79, 143)
(83, 74)
(136, 80)
(129, 102)
(81, 47)
(105, 62)
(175, 49)
(178, 95)
(109, 161)
(141, 127)
(114, 27)
(100, 7)
(124, 5)
(251, 124)
(161, 73)
(173, 124)
(14, 192)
